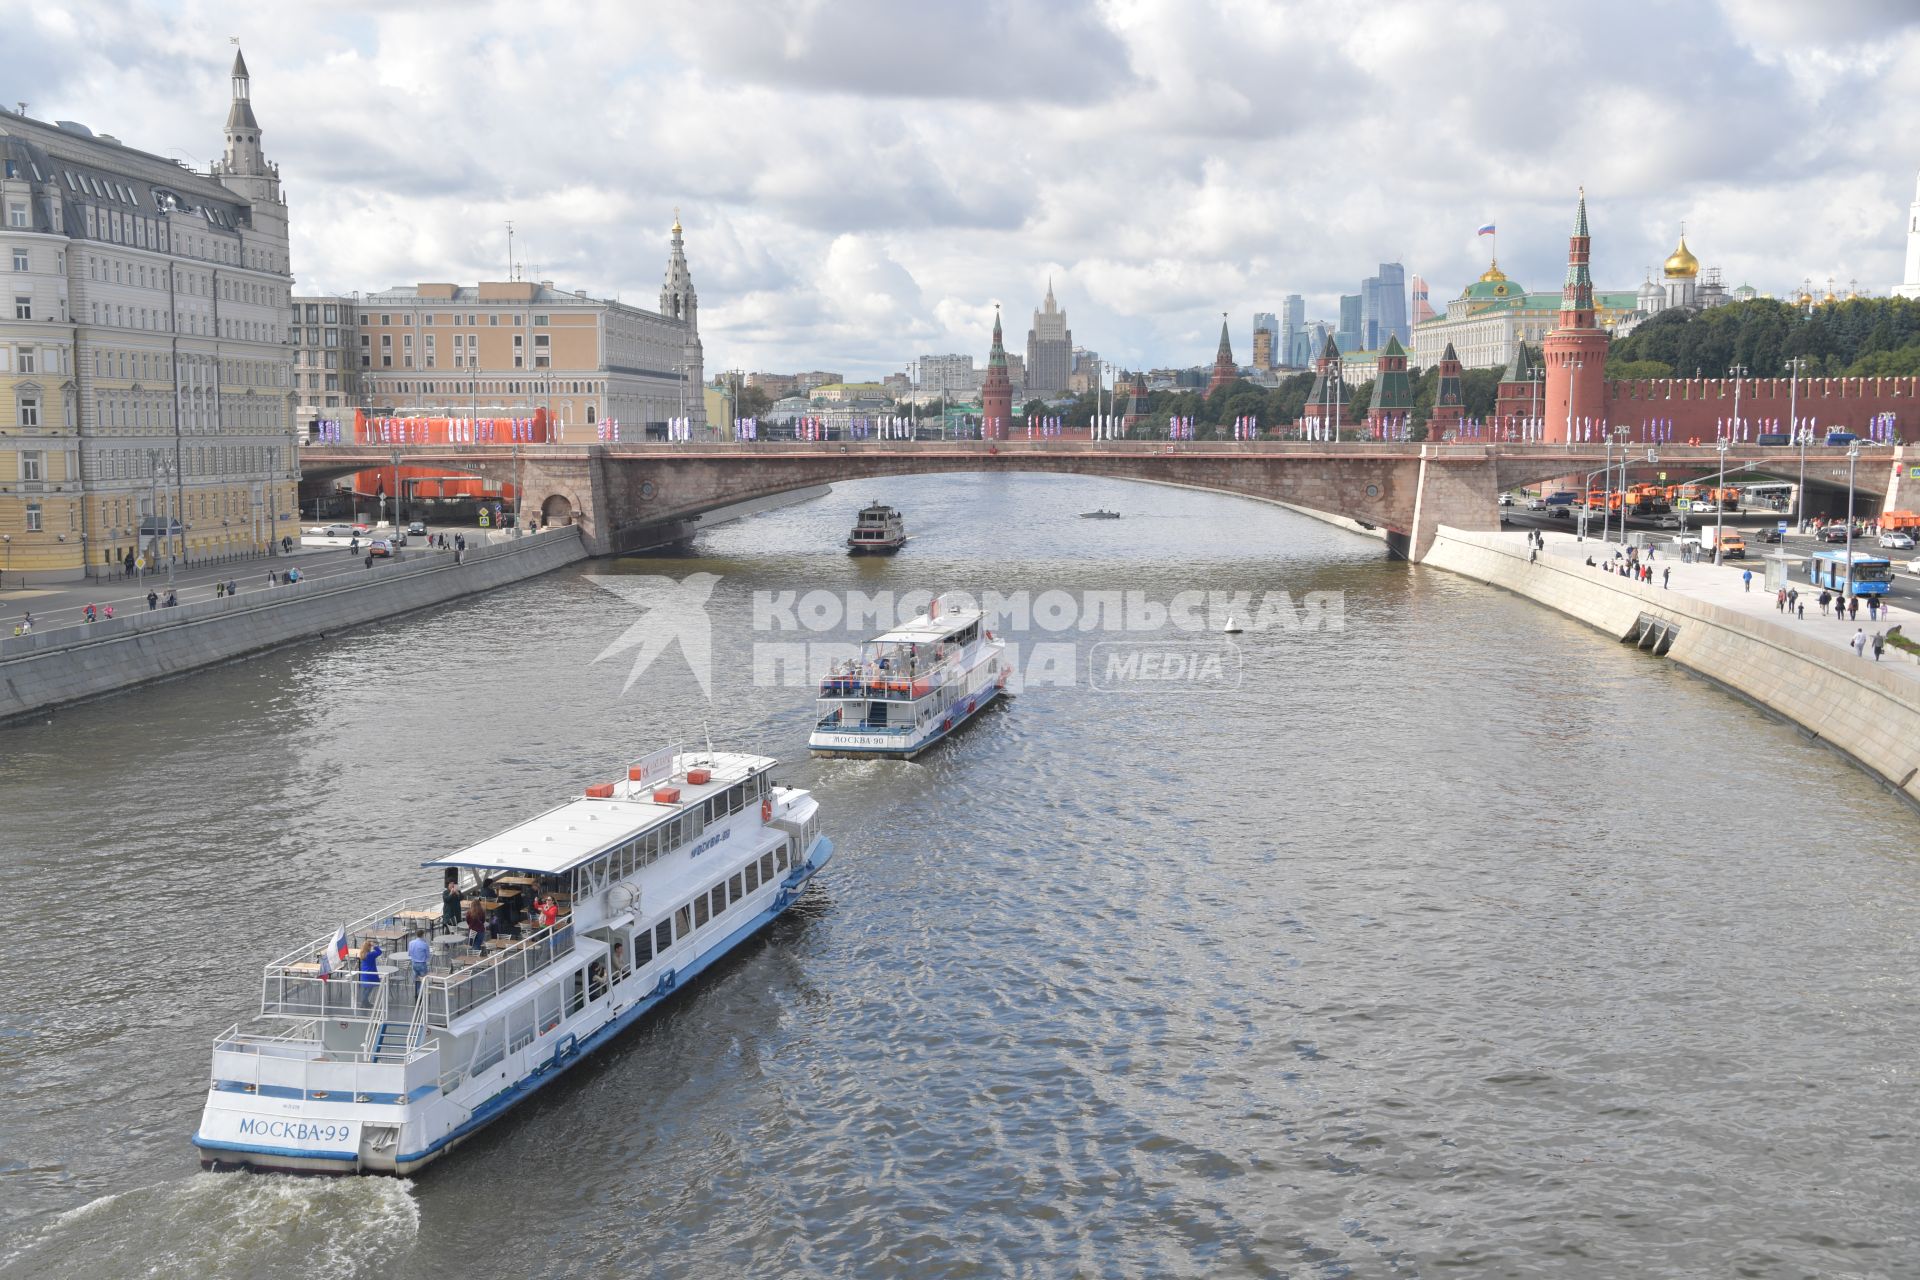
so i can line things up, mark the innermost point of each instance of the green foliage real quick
(1904, 363)
(1034, 409)
(1626, 370)
(1479, 389)
(1763, 335)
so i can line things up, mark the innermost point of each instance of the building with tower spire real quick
(1909, 286)
(1575, 352)
(147, 407)
(1392, 402)
(1449, 396)
(678, 302)
(1049, 349)
(1225, 371)
(996, 390)
(1326, 407)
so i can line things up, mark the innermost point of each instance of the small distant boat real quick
(1232, 628)
(878, 530)
(1101, 514)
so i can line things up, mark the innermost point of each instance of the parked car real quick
(1771, 438)
(418, 529)
(1841, 437)
(1896, 540)
(380, 547)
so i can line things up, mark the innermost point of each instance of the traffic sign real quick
(1782, 526)
(1683, 504)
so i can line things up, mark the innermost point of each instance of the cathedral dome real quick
(1682, 265)
(1493, 283)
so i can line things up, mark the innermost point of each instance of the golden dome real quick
(1682, 265)
(676, 219)
(1804, 300)
(1493, 274)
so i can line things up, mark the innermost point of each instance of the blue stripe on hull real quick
(993, 691)
(500, 1103)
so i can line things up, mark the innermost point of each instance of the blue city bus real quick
(1872, 576)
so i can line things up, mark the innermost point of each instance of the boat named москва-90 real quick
(352, 1070)
(910, 687)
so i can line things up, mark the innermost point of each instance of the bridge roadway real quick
(631, 496)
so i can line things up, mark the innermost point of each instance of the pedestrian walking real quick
(1533, 556)
(1803, 611)
(1873, 605)
(153, 600)
(1853, 607)
(1746, 576)
(1858, 644)
(1825, 597)
(233, 588)
(91, 614)
(219, 589)
(369, 559)
(1793, 599)
(1666, 575)
(1780, 601)
(1879, 645)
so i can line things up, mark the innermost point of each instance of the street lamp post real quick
(1573, 369)
(7, 538)
(1853, 456)
(1719, 497)
(1737, 372)
(1607, 510)
(1793, 417)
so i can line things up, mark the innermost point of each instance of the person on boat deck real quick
(549, 912)
(450, 905)
(501, 925)
(619, 961)
(477, 925)
(418, 953)
(369, 972)
(596, 980)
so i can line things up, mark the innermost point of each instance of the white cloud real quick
(861, 180)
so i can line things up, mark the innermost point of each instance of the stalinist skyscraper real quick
(1049, 349)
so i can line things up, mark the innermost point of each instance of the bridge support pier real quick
(1456, 493)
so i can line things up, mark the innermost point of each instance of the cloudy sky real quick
(862, 180)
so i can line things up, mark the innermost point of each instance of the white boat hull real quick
(267, 1127)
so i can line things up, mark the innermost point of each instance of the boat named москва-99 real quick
(348, 1070)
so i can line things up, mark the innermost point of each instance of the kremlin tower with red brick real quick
(1224, 369)
(996, 391)
(1575, 353)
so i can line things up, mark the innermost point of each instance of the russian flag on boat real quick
(336, 952)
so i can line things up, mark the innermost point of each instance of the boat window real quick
(683, 922)
(719, 895)
(642, 948)
(780, 859)
(520, 1027)
(753, 876)
(766, 866)
(662, 935)
(547, 1013)
(699, 911)
(736, 888)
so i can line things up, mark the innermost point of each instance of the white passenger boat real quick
(654, 877)
(910, 687)
(877, 530)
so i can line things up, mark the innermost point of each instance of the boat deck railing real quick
(458, 979)
(896, 682)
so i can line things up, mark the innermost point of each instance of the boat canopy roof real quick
(580, 830)
(926, 630)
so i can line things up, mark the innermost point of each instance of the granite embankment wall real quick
(69, 664)
(1869, 711)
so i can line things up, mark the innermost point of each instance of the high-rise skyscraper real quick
(1422, 308)
(1265, 352)
(1390, 302)
(1370, 313)
(1049, 349)
(1347, 336)
(1295, 348)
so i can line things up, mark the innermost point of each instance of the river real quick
(1452, 940)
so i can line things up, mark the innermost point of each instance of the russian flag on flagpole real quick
(335, 954)
(1485, 229)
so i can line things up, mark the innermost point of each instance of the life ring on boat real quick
(946, 724)
(766, 810)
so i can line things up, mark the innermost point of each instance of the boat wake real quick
(229, 1224)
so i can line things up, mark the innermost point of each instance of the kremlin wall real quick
(1576, 390)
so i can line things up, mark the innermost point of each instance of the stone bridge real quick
(630, 496)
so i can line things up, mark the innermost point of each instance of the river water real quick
(1457, 940)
